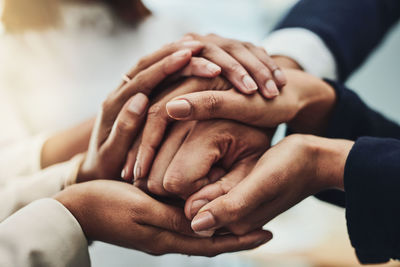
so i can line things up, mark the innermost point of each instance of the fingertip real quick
(280, 77)
(214, 69)
(178, 109)
(258, 238)
(249, 84)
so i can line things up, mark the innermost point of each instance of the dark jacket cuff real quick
(372, 186)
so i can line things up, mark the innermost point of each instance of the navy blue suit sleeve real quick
(350, 120)
(351, 29)
(371, 178)
(372, 186)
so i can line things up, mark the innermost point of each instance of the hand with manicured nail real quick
(297, 167)
(245, 65)
(124, 110)
(141, 156)
(304, 104)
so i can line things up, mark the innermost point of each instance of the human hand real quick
(245, 65)
(195, 154)
(305, 104)
(123, 215)
(122, 112)
(297, 167)
(143, 151)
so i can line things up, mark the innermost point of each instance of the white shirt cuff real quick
(306, 48)
(44, 233)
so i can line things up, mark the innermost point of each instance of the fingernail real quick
(191, 44)
(213, 68)
(278, 74)
(261, 242)
(209, 233)
(271, 88)
(179, 108)
(197, 205)
(249, 83)
(136, 170)
(123, 174)
(203, 222)
(182, 53)
(138, 103)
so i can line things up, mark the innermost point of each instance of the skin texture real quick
(244, 65)
(121, 214)
(297, 167)
(219, 150)
(123, 112)
(305, 104)
(242, 59)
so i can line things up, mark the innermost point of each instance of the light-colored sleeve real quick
(45, 234)
(306, 48)
(17, 192)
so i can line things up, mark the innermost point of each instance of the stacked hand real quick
(201, 140)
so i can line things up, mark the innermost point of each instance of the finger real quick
(242, 200)
(143, 82)
(164, 216)
(181, 176)
(127, 172)
(198, 67)
(201, 67)
(264, 213)
(231, 68)
(249, 109)
(170, 146)
(125, 129)
(194, 46)
(219, 188)
(263, 56)
(169, 242)
(158, 119)
(259, 71)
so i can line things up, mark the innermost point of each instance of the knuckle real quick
(232, 46)
(263, 71)
(236, 68)
(125, 125)
(155, 110)
(173, 183)
(176, 223)
(248, 44)
(140, 81)
(154, 187)
(213, 103)
(233, 208)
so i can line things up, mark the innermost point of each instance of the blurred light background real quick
(310, 234)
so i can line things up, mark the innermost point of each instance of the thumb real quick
(239, 202)
(215, 104)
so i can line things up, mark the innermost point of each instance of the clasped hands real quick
(194, 122)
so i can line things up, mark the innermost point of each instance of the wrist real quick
(316, 100)
(72, 199)
(330, 159)
(286, 62)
